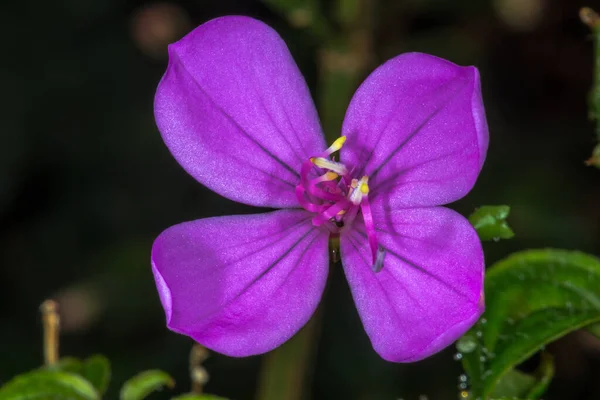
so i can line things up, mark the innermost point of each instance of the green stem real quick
(284, 373)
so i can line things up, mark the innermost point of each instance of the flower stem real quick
(51, 323)
(344, 56)
(284, 373)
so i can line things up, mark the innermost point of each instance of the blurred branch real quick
(343, 61)
(198, 374)
(592, 20)
(51, 322)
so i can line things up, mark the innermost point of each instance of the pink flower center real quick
(328, 189)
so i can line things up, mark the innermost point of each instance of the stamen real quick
(305, 170)
(337, 167)
(306, 204)
(378, 264)
(328, 176)
(335, 197)
(364, 188)
(350, 215)
(324, 194)
(365, 207)
(330, 213)
(335, 146)
(360, 189)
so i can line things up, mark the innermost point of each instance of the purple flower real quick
(236, 113)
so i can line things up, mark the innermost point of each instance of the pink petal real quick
(241, 285)
(429, 291)
(236, 113)
(417, 127)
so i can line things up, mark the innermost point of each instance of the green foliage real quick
(517, 384)
(591, 18)
(594, 330)
(533, 298)
(48, 384)
(95, 369)
(490, 222)
(69, 364)
(73, 379)
(348, 11)
(144, 383)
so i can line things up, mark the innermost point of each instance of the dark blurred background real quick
(86, 183)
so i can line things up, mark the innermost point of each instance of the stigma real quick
(328, 190)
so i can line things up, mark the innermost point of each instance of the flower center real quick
(328, 189)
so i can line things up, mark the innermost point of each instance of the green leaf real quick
(594, 329)
(145, 383)
(69, 364)
(544, 375)
(513, 384)
(96, 369)
(533, 298)
(191, 396)
(490, 222)
(517, 384)
(48, 384)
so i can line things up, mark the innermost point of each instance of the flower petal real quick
(417, 127)
(429, 291)
(241, 285)
(236, 113)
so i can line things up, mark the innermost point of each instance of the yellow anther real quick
(338, 143)
(330, 176)
(364, 188)
(359, 189)
(341, 212)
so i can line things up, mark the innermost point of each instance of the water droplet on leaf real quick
(466, 344)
